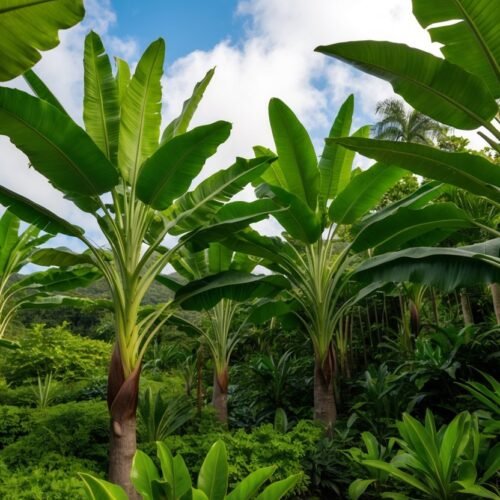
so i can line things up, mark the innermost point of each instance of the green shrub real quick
(44, 350)
(14, 423)
(78, 430)
(54, 478)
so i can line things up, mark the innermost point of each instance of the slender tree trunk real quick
(466, 308)
(325, 409)
(219, 398)
(123, 394)
(435, 310)
(495, 295)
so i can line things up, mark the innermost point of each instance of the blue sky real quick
(186, 25)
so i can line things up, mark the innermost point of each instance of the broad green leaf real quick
(471, 41)
(467, 171)
(213, 475)
(206, 292)
(37, 215)
(141, 112)
(334, 170)
(431, 85)
(170, 282)
(142, 474)
(477, 491)
(249, 486)
(219, 258)
(268, 309)
(30, 26)
(358, 487)
(398, 474)
(180, 124)
(101, 110)
(8, 344)
(363, 193)
(55, 145)
(61, 257)
(166, 461)
(168, 173)
(98, 489)
(274, 175)
(445, 268)
(199, 495)
(395, 231)
(182, 482)
(279, 489)
(297, 158)
(122, 78)
(298, 219)
(200, 205)
(9, 228)
(41, 90)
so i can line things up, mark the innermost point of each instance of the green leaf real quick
(41, 90)
(279, 489)
(199, 495)
(471, 41)
(61, 257)
(431, 85)
(98, 489)
(122, 78)
(142, 474)
(37, 215)
(180, 124)
(30, 26)
(467, 171)
(55, 145)
(334, 165)
(8, 344)
(358, 487)
(363, 193)
(446, 268)
(101, 110)
(141, 112)
(477, 491)
(168, 173)
(9, 228)
(298, 219)
(200, 205)
(274, 175)
(249, 486)
(206, 292)
(399, 229)
(213, 475)
(297, 158)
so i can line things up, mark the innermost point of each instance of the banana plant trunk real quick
(123, 394)
(219, 397)
(325, 408)
(495, 295)
(466, 308)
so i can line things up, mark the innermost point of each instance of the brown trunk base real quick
(495, 295)
(325, 409)
(219, 397)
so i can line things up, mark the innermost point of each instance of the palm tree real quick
(399, 123)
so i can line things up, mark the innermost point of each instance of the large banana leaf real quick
(141, 112)
(274, 175)
(436, 87)
(41, 90)
(433, 223)
(446, 268)
(101, 110)
(207, 292)
(334, 170)
(298, 219)
(30, 26)
(9, 228)
(363, 193)
(61, 257)
(55, 145)
(168, 173)
(468, 171)
(297, 158)
(122, 78)
(472, 40)
(201, 204)
(180, 124)
(35, 214)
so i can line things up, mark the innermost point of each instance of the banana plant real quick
(233, 286)
(323, 199)
(174, 481)
(18, 249)
(136, 187)
(439, 464)
(460, 90)
(28, 27)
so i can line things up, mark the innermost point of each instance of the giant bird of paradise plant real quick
(135, 183)
(323, 197)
